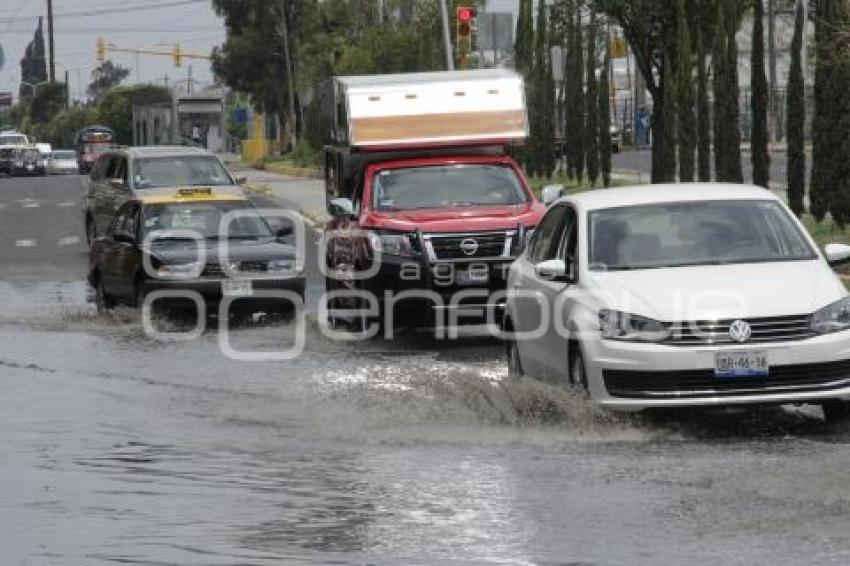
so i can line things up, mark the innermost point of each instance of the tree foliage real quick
(687, 135)
(703, 110)
(796, 121)
(591, 112)
(104, 78)
(33, 63)
(575, 105)
(604, 107)
(727, 133)
(759, 101)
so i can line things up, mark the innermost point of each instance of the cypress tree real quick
(824, 135)
(667, 123)
(591, 114)
(569, 88)
(703, 112)
(732, 118)
(544, 88)
(839, 205)
(686, 126)
(796, 120)
(524, 42)
(577, 102)
(719, 78)
(604, 107)
(759, 101)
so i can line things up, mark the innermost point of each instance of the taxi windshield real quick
(180, 171)
(204, 219)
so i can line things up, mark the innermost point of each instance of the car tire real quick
(102, 299)
(577, 369)
(836, 412)
(91, 231)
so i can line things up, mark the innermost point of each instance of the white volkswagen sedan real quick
(681, 295)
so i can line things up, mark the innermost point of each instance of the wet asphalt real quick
(119, 448)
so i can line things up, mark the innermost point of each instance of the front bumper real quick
(210, 291)
(634, 376)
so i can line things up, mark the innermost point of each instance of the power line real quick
(109, 11)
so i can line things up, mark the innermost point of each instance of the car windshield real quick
(446, 186)
(179, 171)
(63, 155)
(204, 219)
(13, 140)
(693, 233)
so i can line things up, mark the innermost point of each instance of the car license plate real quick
(747, 363)
(237, 288)
(473, 276)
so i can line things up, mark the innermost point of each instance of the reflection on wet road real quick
(117, 448)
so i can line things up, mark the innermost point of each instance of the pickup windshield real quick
(13, 140)
(445, 186)
(693, 233)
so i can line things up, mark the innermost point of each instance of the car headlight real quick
(281, 266)
(616, 325)
(389, 243)
(832, 318)
(180, 270)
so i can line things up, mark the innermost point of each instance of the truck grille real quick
(773, 329)
(214, 270)
(459, 246)
(696, 383)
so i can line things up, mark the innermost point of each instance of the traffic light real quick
(100, 50)
(177, 55)
(465, 16)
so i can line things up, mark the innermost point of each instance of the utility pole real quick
(67, 91)
(52, 67)
(447, 40)
(771, 48)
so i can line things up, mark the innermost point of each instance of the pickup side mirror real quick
(552, 270)
(124, 236)
(551, 193)
(837, 254)
(341, 207)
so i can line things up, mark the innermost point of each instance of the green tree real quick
(33, 63)
(795, 121)
(732, 97)
(727, 134)
(664, 120)
(575, 104)
(591, 113)
(604, 107)
(759, 101)
(104, 78)
(703, 109)
(686, 127)
(826, 140)
(524, 43)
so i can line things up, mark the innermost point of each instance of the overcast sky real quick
(127, 23)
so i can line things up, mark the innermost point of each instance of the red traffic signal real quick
(465, 14)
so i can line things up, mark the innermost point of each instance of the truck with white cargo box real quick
(428, 209)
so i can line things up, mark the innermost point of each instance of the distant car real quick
(63, 162)
(122, 173)
(154, 241)
(28, 161)
(680, 296)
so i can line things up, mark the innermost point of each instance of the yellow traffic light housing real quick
(463, 33)
(177, 55)
(100, 50)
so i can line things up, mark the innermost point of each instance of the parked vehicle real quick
(146, 248)
(421, 191)
(121, 173)
(681, 295)
(90, 142)
(63, 162)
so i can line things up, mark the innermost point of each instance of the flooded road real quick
(118, 448)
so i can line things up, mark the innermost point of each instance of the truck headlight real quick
(180, 270)
(616, 325)
(832, 318)
(389, 243)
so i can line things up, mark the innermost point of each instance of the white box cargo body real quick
(427, 110)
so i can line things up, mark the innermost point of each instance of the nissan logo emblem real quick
(740, 331)
(469, 246)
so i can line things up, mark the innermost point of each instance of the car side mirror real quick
(837, 254)
(241, 180)
(551, 193)
(341, 207)
(552, 270)
(124, 236)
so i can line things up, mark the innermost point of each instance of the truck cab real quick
(427, 208)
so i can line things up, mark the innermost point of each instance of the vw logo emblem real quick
(469, 246)
(740, 331)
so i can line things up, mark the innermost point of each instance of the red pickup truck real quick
(428, 210)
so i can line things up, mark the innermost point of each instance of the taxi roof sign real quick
(193, 194)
